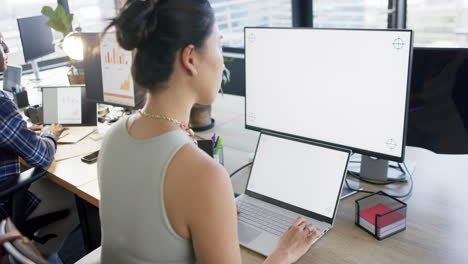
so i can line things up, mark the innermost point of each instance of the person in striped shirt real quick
(18, 142)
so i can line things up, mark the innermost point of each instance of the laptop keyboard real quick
(263, 218)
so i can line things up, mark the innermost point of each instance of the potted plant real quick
(62, 23)
(200, 115)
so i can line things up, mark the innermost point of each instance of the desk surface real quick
(437, 210)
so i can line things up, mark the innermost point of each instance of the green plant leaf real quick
(60, 11)
(58, 20)
(67, 21)
(47, 11)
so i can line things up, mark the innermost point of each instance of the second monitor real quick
(108, 72)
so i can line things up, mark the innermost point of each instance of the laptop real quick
(68, 106)
(290, 177)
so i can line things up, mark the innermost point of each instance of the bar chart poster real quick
(116, 74)
(69, 105)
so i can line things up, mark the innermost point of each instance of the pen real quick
(219, 145)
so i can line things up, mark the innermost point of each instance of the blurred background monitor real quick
(438, 110)
(36, 37)
(108, 75)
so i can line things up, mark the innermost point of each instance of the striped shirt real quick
(16, 140)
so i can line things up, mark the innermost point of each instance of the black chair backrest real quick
(16, 192)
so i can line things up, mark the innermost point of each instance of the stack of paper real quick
(386, 225)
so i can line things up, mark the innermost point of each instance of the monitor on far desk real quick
(343, 87)
(108, 75)
(36, 39)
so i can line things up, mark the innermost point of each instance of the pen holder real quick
(381, 215)
(21, 99)
(218, 154)
(35, 114)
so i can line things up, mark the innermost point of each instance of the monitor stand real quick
(35, 69)
(381, 170)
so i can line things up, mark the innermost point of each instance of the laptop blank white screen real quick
(300, 174)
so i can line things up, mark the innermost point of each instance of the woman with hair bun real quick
(163, 200)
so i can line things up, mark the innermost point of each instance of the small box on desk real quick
(381, 215)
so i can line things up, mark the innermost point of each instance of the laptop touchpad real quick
(246, 233)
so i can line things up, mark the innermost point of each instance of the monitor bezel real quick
(353, 149)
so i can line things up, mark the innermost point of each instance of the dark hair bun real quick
(135, 22)
(158, 30)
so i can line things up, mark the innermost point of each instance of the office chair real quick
(92, 258)
(16, 193)
(17, 248)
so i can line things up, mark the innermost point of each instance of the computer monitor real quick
(108, 75)
(343, 87)
(438, 109)
(12, 78)
(36, 38)
(67, 105)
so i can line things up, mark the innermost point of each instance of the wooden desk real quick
(437, 210)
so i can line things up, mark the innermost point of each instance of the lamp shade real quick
(73, 46)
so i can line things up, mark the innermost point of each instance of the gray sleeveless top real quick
(135, 226)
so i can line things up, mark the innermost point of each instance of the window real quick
(10, 10)
(92, 15)
(233, 15)
(350, 13)
(439, 23)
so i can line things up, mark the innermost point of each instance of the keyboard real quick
(263, 218)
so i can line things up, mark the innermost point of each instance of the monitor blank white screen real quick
(345, 87)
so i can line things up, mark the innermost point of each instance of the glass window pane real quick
(233, 15)
(350, 13)
(10, 10)
(92, 15)
(439, 23)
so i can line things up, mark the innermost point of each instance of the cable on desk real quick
(411, 186)
(375, 182)
(355, 190)
(395, 196)
(391, 166)
(356, 175)
(241, 168)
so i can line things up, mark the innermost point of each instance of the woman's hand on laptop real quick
(294, 243)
